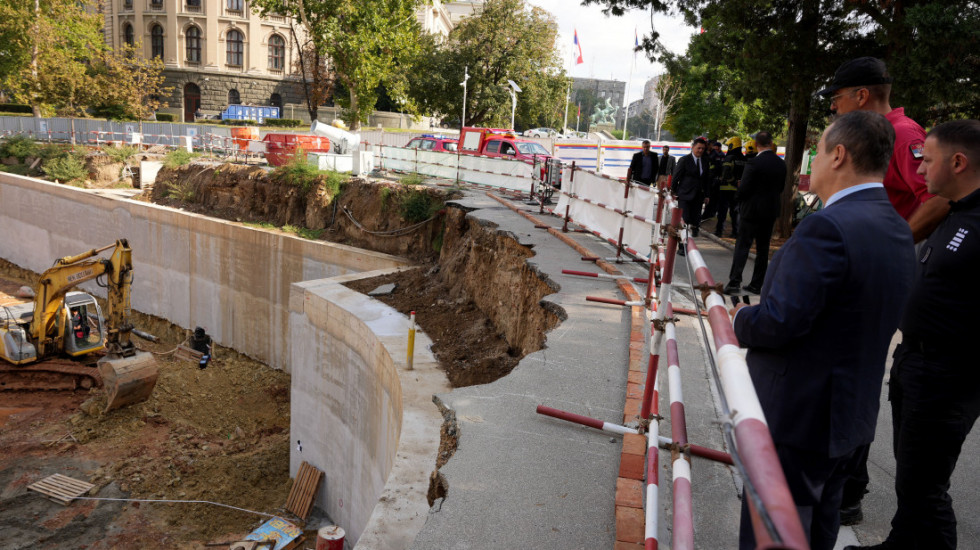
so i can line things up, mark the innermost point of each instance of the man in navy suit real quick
(830, 303)
(691, 182)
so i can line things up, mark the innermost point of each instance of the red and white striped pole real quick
(752, 437)
(656, 336)
(683, 513)
(651, 509)
(602, 275)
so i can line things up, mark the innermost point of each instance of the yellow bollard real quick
(411, 342)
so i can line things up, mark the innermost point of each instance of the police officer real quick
(934, 386)
(731, 173)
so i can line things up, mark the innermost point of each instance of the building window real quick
(193, 44)
(275, 100)
(128, 37)
(193, 5)
(156, 4)
(156, 41)
(234, 5)
(128, 4)
(233, 97)
(236, 47)
(277, 52)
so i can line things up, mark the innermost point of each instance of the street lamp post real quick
(466, 76)
(514, 90)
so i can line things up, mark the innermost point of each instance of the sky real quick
(607, 42)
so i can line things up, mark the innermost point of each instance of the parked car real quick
(541, 132)
(428, 142)
(500, 143)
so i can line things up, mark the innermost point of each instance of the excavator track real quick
(51, 374)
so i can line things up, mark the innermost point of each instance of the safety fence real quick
(502, 173)
(774, 517)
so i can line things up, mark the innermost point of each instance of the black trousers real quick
(726, 205)
(935, 402)
(692, 213)
(749, 231)
(816, 483)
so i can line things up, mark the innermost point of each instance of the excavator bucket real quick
(128, 380)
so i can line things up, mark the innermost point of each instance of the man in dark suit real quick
(818, 339)
(758, 207)
(643, 167)
(667, 164)
(691, 181)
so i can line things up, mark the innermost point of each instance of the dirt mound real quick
(365, 213)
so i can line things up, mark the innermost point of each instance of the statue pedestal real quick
(603, 127)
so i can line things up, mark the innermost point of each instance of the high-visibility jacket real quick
(731, 170)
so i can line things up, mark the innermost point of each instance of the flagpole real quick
(629, 83)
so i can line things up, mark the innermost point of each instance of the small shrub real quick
(297, 172)
(166, 117)
(19, 169)
(15, 108)
(412, 179)
(233, 122)
(283, 122)
(333, 182)
(66, 169)
(120, 154)
(306, 233)
(54, 150)
(178, 158)
(19, 146)
(417, 206)
(385, 198)
(181, 191)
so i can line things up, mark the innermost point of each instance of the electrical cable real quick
(395, 233)
(728, 428)
(177, 502)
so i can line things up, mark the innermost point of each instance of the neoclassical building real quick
(218, 52)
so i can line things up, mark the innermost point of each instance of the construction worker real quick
(750, 150)
(731, 173)
(200, 341)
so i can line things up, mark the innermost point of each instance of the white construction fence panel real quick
(496, 172)
(398, 158)
(643, 202)
(583, 153)
(438, 164)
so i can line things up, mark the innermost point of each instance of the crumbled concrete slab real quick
(383, 290)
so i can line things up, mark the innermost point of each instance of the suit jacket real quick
(636, 166)
(818, 339)
(667, 164)
(687, 184)
(762, 183)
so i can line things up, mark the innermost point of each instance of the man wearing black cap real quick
(863, 84)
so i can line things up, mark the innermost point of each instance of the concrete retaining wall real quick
(189, 269)
(359, 415)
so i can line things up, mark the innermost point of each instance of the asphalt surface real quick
(521, 480)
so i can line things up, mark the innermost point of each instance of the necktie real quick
(698, 162)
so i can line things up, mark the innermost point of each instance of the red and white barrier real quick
(640, 280)
(651, 508)
(754, 442)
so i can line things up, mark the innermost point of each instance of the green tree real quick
(367, 44)
(132, 82)
(509, 40)
(49, 48)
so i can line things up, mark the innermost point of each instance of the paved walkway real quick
(521, 480)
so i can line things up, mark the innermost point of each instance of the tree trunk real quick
(799, 114)
(310, 105)
(355, 115)
(34, 55)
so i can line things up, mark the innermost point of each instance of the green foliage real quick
(15, 108)
(65, 169)
(19, 169)
(120, 154)
(166, 117)
(618, 134)
(333, 182)
(411, 179)
(233, 122)
(368, 43)
(385, 198)
(283, 122)
(54, 150)
(19, 146)
(304, 232)
(178, 158)
(510, 40)
(418, 206)
(181, 190)
(111, 111)
(297, 172)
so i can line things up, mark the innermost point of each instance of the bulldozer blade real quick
(128, 380)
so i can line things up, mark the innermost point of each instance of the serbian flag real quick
(637, 36)
(578, 48)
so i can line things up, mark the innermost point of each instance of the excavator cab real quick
(84, 326)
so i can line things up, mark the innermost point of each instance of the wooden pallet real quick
(186, 353)
(303, 492)
(61, 489)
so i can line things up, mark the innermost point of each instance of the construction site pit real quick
(222, 434)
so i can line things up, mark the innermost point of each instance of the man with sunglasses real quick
(863, 84)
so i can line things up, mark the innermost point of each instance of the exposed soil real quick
(250, 194)
(220, 435)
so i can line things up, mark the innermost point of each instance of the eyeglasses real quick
(834, 98)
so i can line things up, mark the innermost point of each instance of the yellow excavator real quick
(36, 337)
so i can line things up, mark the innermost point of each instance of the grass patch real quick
(120, 154)
(19, 169)
(417, 206)
(181, 191)
(18, 146)
(178, 158)
(411, 179)
(385, 198)
(302, 174)
(65, 169)
(304, 232)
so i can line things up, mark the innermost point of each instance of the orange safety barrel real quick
(241, 135)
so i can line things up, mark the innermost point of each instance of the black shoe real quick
(680, 250)
(695, 232)
(883, 546)
(733, 289)
(851, 515)
(752, 289)
(718, 234)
